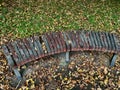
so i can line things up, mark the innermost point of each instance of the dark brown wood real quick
(29, 49)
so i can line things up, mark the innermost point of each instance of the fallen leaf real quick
(105, 70)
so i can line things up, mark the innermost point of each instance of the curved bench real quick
(25, 50)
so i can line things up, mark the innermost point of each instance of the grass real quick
(21, 18)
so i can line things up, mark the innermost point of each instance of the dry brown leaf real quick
(105, 70)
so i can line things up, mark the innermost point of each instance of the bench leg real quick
(64, 58)
(113, 59)
(67, 57)
(17, 74)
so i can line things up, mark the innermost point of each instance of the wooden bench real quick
(22, 51)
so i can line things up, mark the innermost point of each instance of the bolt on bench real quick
(29, 49)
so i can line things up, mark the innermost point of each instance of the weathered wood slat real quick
(25, 50)
(111, 42)
(22, 51)
(13, 53)
(92, 41)
(52, 43)
(80, 41)
(8, 56)
(46, 43)
(31, 45)
(98, 41)
(17, 51)
(27, 44)
(101, 40)
(56, 41)
(39, 45)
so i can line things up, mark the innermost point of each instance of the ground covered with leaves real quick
(21, 18)
(87, 70)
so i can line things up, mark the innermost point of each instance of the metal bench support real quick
(17, 74)
(63, 57)
(113, 59)
(67, 57)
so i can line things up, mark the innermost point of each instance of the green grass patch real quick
(21, 18)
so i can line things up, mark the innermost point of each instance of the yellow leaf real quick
(32, 86)
(106, 81)
(65, 79)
